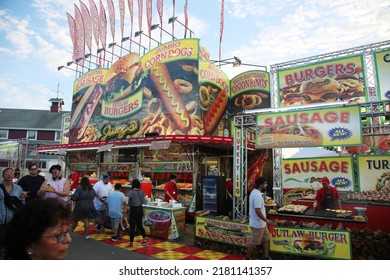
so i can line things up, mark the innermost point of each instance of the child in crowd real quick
(125, 211)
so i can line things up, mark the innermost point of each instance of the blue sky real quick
(35, 40)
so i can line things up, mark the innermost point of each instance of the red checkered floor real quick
(158, 248)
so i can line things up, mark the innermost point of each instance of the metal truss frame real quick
(375, 113)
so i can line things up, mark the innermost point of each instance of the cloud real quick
(312, 28)
(17, 34)
(19, 94)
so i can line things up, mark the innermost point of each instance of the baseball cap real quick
(105, 176)
(325, 180)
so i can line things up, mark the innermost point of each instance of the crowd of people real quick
(40, 226)
(38, 215)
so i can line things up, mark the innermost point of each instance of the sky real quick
(35, 39)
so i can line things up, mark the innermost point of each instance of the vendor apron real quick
(329, 202)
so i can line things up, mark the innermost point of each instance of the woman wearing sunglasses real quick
(39, 231)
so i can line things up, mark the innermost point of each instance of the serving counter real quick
(320, 217)
(164, 222)
(378, 214)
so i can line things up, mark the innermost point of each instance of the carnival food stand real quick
(163, 114)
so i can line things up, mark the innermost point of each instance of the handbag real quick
(12, 202)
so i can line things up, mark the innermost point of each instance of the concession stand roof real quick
(217, 141)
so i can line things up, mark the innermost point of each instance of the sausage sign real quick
(308, 172)
(336, 126)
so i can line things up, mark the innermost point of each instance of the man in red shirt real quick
(75, 180)
(327, 197)
(170, 189)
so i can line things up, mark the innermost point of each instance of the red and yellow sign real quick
(336, 126)
(328, 244)
(222, 231)
(308, 172)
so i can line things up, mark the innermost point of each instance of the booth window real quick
(127, 155)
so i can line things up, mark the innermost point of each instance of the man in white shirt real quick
(258, 220)
(102, 189)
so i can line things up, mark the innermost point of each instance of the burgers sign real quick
(329, 81)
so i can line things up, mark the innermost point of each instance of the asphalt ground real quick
(81, 249)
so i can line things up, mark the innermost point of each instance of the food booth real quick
(357, 122)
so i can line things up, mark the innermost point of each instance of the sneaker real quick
(101, 230)
(87, 237)
(97, 226)
(144, 242)
(114, 239)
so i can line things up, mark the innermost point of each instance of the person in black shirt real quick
(31, 183)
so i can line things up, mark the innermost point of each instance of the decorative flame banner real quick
(140, 15)
(78, 55)
(95, 21)
(103, 25)
(149, 16)
(131, 10)
(111, 14)
(221, 28)
(222, 20)
(160, 4)
(72, 30)
(87, 25)
(185, 18)
(122, 15)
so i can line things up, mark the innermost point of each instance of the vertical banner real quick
(237, 171)
(87, 25)
(221, 28)
(140, 8)
(140, 21)
(382, 67)
(103, 25)
(111, 14)
(185, 19)
(149, 16)
(160, 4)
(79, 37)
(122, 16)
(72, 32)
(173, 16)
(95, 21)
(102, 31)
(131, 11)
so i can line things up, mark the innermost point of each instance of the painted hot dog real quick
(170, 97)
(85, 109)
(215, 113)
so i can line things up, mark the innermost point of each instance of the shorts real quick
(115, 222)
(259, 235)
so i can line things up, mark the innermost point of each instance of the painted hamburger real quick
(123, 78)
(320, 90)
